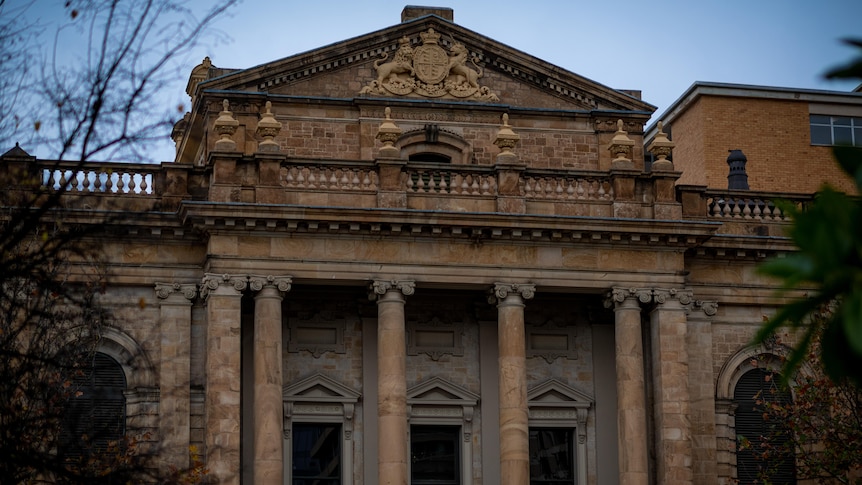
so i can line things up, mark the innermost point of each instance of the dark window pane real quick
(552, 456)
(821, 135)
(820, 119)
(95, 417)
(750, 465)
(316, 454)
(841, 120)
(434, 455)
(857, 135)
(843, 135)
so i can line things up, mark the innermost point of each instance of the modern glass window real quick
(95, 418)
(552, 456)
(434, 455)
(316, 454)
(756, 386)
(836, 130)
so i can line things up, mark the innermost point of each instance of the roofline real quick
(700, 88)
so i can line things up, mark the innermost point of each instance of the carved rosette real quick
(501, 291)
(212, 281)
(281, 283)
(379, 288)
(166, 290)
(429, 71)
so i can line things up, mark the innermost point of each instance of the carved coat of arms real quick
(428, 70)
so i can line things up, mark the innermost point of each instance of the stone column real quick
(175, 318)
(268, 403)
(514, 416)
(223, 295)
(631, 397)
(702, 391)
(393, 448)
(671, 400)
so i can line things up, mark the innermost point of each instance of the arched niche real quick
(430, 144)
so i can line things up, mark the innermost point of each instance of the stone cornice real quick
(235, 217)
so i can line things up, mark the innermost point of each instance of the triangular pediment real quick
(553, 393)
(439, 391)
(319, 388)
(350, 69)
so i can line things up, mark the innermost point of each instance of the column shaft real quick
(268, 408)
(392, 444)
(514, 416)
(631, 397)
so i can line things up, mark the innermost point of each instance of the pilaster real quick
(391, 380)
(701, 390)
(223, 296)
(671, 401)
(268, 401)
(514, 413)
(175, 315)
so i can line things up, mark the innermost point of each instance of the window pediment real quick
(319, 388)
(554, 393)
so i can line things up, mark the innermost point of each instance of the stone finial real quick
(225, 126)
(388, 134)
(198, 75)
(506, 140)
(268, 127)
(621, 147)
(661, 147)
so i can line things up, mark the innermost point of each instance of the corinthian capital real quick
(380, 287)
(166, 290)
(212, 282)
(282, 283)
(501, 291)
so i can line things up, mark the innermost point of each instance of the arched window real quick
(754, 388)
(95, 418)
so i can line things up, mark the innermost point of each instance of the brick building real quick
(422, 256)
(785, 133)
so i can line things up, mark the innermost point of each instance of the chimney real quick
(737, 179)
(411, 12)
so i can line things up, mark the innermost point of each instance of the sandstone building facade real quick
(421, 256)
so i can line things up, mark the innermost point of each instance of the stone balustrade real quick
(451, 180)
(744, 205)
(109, 178)
(569, 186)
(310, 176)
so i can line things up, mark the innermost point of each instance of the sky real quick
(658, 47)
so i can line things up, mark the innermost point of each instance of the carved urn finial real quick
(225, 126)
(506, 138)
(388, 134)
(661, 147)
(268, 127)
(621, 147)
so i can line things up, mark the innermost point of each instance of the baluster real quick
(570, 189)
(333, 180)
(300, 177)
(581, 190)
(410, 184)
(366, 180)
(465, 186)
(132, 184)
(97, 182)
(355, 181)
(344, 182)
(746, 209)
(455, 183)
(485, 186)
(558, 191)
(602, 194)
(444, 187)
(289, 178)
(725, 210)
(549, 188)
(758, 212)
(474, 186)
(432, 184)
(591, 189)
(144, 185)
(311, 178)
